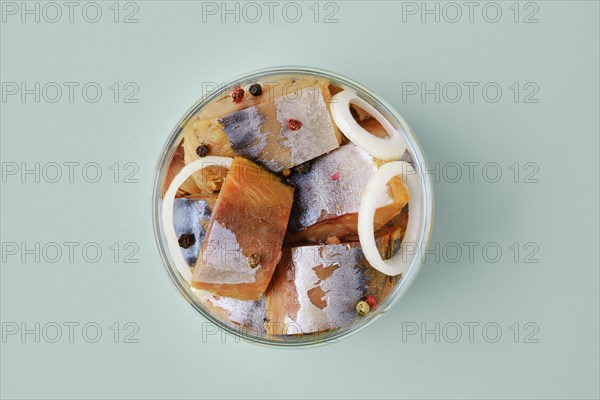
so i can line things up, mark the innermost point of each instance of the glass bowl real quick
(421, 228)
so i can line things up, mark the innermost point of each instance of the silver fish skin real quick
(343, 289)
(223, 259)
(316, 288)
(249, 138)
(332, 187)
(245, 313)
(189, 216)
(243, 128)
(316, 137)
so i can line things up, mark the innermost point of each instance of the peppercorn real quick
(303, 168)
(286, 173)
(371, 301)
(237, 95)
(255, 89)
(253, 260)
(363, 308)
(294, 124)
(186, 240)
(202, 150)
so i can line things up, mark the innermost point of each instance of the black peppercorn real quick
(202, 150)
(186, 240)
(255, 89)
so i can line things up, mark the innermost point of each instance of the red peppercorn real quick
(335, 176)
(294, 124)
(237, 94)
(371, 301)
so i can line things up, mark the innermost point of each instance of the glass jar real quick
(421, 228)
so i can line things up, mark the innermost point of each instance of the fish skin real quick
(324, 206)
(244, 315)
(316, 288)
(317, 135)
(191, 216)
(249, 217)
(243, 130)
(259, 132)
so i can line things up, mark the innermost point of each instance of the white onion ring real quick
(401, 262)
(167, 209)
(390, 148)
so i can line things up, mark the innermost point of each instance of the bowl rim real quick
(311, 340)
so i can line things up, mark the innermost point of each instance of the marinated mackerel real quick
(262, 132)
(328, 196)
(271, 238)
(245, 235)
(316, 288)
(191, 217)
(248, 315)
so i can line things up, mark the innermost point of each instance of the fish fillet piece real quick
(395, 225)
(246, 228)
(272, 87)
(374, 127)
(177, 163)
(246, 315)
(191, 215)
(261, 133)
(316, 288)
(327, 197)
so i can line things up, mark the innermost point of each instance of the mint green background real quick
(169, 53)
